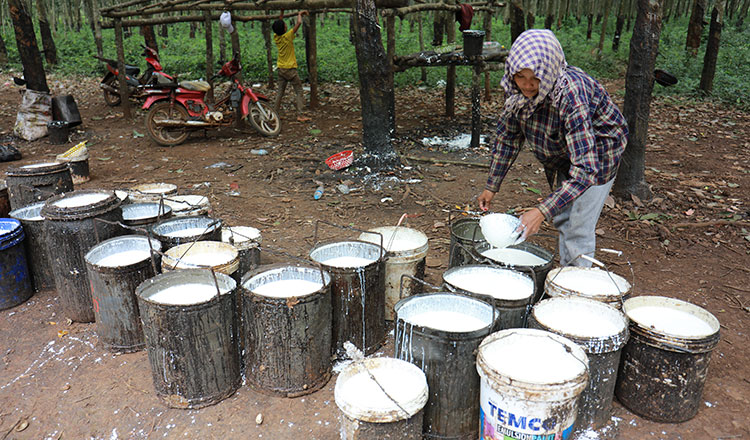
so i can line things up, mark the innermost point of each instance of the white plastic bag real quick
(33, 116)
(226, 21)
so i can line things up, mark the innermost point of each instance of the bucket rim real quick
(51, 211)
(562, 290)
(592, 344)
(24, 214)
(526, 246)
(197, 276)
(10, 228)
(158, 207)
(228, 264)
(700, 343)
(495, 300)
(266, 268)
(247, 241)
(37, 168)
(217, 224)
(573, 386)
(422, 242)
(373, 415)
(480, 332)
(330, 243)
(156, 244)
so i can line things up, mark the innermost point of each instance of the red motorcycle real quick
(182, 108)
(139, 87)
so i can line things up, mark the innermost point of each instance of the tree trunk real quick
(209, 54)
(607, 6)
(590, 25)
(193, 27)
(149, 37)
(97, 27)
(742, 14)
(530, 20)
(375, 89)
(312, 59)
(550, 16)
(712, 48)
(236, 49)
(50, 52)
(695, 27)
(516, 22)
(266, 29)
(488, 37)
(422, 70)
(124, 101)
(3, 53)
(639, 83)
(450, 71)
(33, 70)
(164, 31)
(618, 26)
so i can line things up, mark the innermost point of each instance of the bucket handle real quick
(413, 278)
(192, 243)
(606, 269)
(350, 228)
(474, 214)
(485, 342)
(192, 265)
(272, 250)
(129, 228)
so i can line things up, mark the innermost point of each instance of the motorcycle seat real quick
(197, 86)
(132, 70)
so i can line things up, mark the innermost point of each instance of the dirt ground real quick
(691, 242)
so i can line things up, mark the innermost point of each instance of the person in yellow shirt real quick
(287, 62)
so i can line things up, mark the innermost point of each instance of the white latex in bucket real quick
(241, 237)
(498, 283)
(530, 381)
(671, 320)
(222, 257)
(588, 282)
(513, 257)
(361, 398)
(407, 250)
(500, 230)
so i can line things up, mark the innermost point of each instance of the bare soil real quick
(692, 242)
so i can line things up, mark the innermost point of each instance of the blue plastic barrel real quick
(15, 282)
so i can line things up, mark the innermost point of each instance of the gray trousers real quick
(577, 225)
(285, 76)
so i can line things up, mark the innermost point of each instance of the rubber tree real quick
(33, 69)
(712, 48)
(50, 51)
(695, 27)
(3, 53)
(375, 89)
(639, 83)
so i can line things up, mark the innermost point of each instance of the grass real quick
(337, 62)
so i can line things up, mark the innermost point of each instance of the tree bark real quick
(209, 55)
(312, 59)
(3, 53)
(375, 89)
(712, 48)
(236, 49)
(516, 22)
(266, 29)
(450, 72)
(695, 27)
(97, 28)
(124, 101)
(618, 26)
(48, 43)
(422, 70)
(487, 37)
(590, 25)
(607, 6)
(149, 37)
(743, 14)
(33, 70)
(639, 83)
(550, 17)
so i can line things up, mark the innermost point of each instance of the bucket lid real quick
(524, 361)
(187, 228)
(286, 281)
(136, 212)
(241, 237)
(596, 326)
(673, 323)
(79, 204)
(398, 391)
(397, 239)
(591, 282)
(188, 204)
(348, 254)
(122, 251)
(446, 312)
(185, 287)
(30, 213)
(11, 232)
(37, 168)
(222, 257)
(496, 282)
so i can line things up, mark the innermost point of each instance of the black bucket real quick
(58, 131)
(287, 329)
(15, 282)
(116, 267)
(473, 42)
(665, 363)
(4, 200)
(247, 241)
(36, 182)
(64, 108)
(465, 234)
(447, 356)
(537, 271)
(36, 245)
(72, 229)
(178, 230)
(189, 320)
(358, 293)
(143, 216)
(509, 291)
(601, 330)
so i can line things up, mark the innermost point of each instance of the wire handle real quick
(272, 250)
(350, 228)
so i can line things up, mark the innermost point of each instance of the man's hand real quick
(531, 221)
(485, 199)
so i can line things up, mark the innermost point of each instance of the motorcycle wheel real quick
(163, 135)
(268, 124)
(112, 99)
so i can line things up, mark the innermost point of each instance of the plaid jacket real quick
(584, 136)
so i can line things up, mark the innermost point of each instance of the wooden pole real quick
(450, 74)
(488, 37)
(312, 60)
(236, 50)
(97, 29)
(121, 70)
(423, 69)
(209, 55)
(476, 110)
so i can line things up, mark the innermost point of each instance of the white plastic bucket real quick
(588, 282)
(601, 330)
(186, 205)
(530, 381)
(390, 406)
(151, 192)
(406, 252)
(221, 257)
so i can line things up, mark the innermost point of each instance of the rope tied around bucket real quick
(358, 358)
